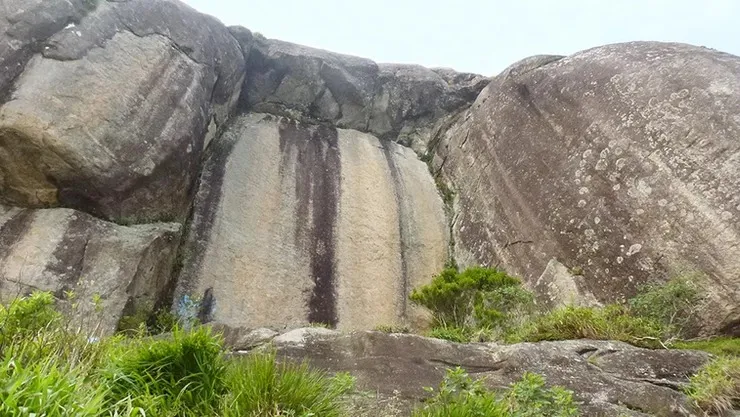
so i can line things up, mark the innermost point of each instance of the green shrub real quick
(720, 346)
(27, 317)
(612, 322)
(477, 298)
(461, 396)
(262, 387)
(674, 304)
(716, 387)
(186, 370)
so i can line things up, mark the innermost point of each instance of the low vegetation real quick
(459, 395)
(486, 304)
(716, 387)
(476, 304)
(49, 368)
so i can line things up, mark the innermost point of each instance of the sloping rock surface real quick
(111, 111)
(608, 378)
(63, 250)
(297, 223)
(622, 162)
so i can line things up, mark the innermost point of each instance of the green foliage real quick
(451, 333)
(477, 298)
(48, 369)
(461, 396)
(674, 304)
(143, 321)
(613, 322)
(716, 387)
(448, 196)
(719, 346)
(262, 387)
(26, 317)
(186, 370)
(47, 387)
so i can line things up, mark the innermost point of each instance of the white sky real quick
(478, 35)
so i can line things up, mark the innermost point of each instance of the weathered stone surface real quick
(112, 115)
(61, 250)
(24, 25)
(391, 101)
(622, 161)
(608, 378)
(298, 223)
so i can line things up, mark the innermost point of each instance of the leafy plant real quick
(392, 328)
(675, 304)
(459, 395)
(477, 298)
(716, 387)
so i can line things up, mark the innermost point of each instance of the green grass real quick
(720, 346)
(461, 396)
(612, 322)
(260, 386)
(716, 387)
(48, 369)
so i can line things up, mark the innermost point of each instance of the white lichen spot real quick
(572, 220)
(587, 153)
(634, 249)
(604, 153)
(662, 202)
(631, 278)
(639, 212)
(581, 203)
(620, 259)
(726, 215)
(621, 162)
(616, 187)
(601, 165)
(589, 233)
(597, 220)
(583, 190)
(644, 188)
(189, 149)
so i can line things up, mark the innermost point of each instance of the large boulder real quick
(63, 251)
(112, 112)
(620, 163)
(296, 223)
(607, 378)
(392, 101)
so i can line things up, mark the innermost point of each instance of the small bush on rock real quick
(477, 298)
(459, 395)
(674, 304)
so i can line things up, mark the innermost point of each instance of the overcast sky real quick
(480, 36)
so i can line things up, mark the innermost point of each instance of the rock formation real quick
(151, 156)
(622, 162)
(608, 378)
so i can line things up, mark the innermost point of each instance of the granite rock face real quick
(112, 109)
(61, 250)
(297, 223)
(607, 378)
(395, 102)
(622, 161)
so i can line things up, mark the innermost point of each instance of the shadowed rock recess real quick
(155, 157)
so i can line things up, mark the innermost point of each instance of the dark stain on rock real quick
(402, 232)
(205, 313)
(317, 176)
(68, 258)
(203, 210)
(12, 231)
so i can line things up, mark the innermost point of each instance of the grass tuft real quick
(716, 387)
